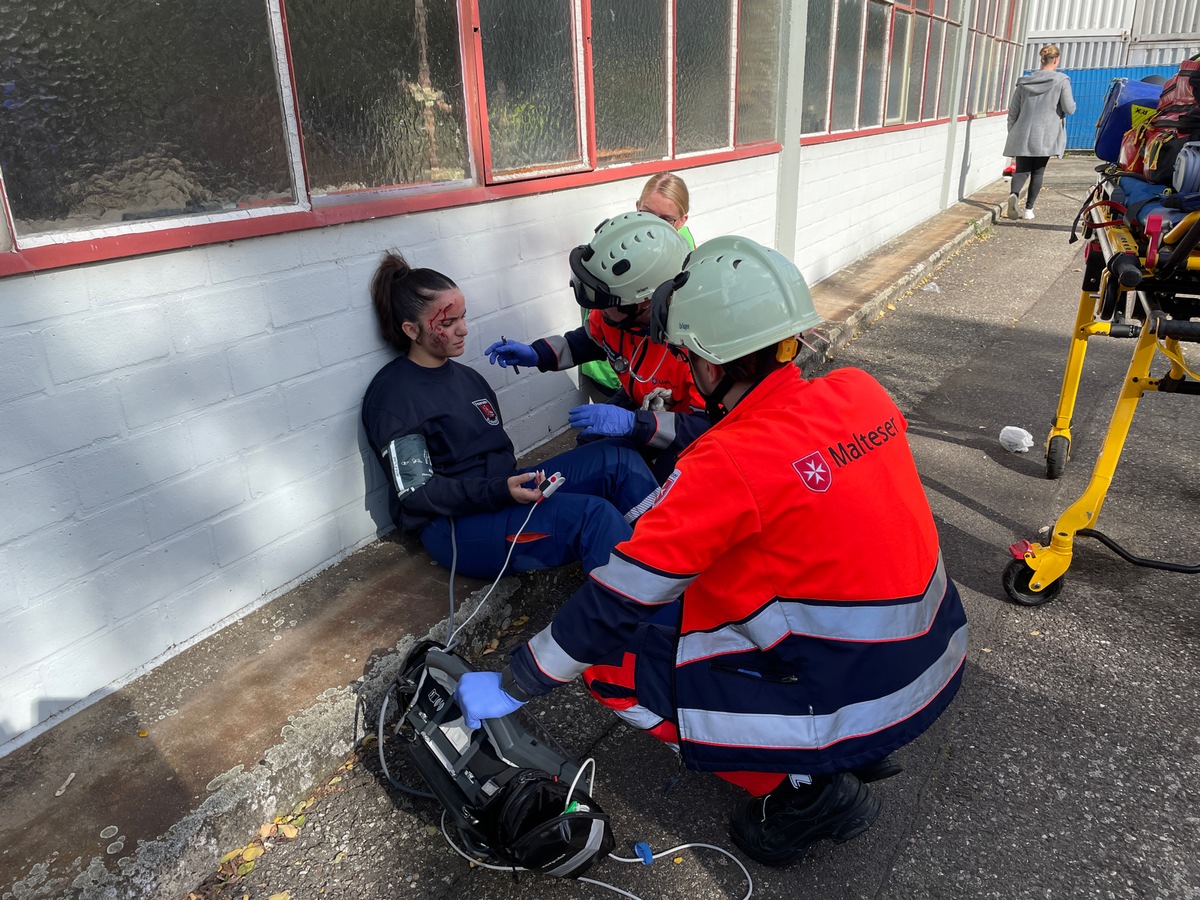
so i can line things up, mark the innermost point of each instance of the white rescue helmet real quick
(733, 297)
(628, 257)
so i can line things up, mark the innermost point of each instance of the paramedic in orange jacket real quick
(657, 409)
(795, 663)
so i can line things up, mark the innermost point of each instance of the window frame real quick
(582, 95)
(51, 250)
(918, 12)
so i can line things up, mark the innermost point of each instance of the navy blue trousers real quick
(607, 486)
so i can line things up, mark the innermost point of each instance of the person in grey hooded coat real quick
(1037, 128)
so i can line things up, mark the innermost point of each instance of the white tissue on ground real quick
(1018, 440)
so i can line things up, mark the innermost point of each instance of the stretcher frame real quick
(1146, 290)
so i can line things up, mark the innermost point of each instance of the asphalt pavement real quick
(1067, 766)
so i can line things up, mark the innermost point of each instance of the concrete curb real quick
(838, 334)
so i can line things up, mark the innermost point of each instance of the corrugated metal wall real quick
(1165, 19)
(1089, 16)
(1111, 33)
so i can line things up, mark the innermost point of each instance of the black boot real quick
(878, 770)
(779, 828)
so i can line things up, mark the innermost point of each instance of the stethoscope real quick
(620, 366)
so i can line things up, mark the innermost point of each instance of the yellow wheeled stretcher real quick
(1140, 284)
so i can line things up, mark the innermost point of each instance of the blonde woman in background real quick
(1037, 128)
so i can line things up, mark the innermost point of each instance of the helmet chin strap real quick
(713, 401)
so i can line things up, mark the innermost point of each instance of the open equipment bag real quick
(514, 797)
(1150, 148)
(1127, 103)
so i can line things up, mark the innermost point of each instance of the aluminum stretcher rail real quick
(1146, 290)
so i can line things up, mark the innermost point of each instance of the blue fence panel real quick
(1090, 86)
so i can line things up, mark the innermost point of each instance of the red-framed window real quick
(878, 64)
(126, 128)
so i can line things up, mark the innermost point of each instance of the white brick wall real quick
(858, 194)
(179, 432)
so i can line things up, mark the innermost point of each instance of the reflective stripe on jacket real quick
(819, 628)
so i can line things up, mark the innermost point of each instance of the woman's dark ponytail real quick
(400, 295)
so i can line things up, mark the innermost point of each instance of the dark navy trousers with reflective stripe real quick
(606, 481)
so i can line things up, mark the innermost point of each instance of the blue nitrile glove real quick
(479, 696)
(603, 419)
(511, 353)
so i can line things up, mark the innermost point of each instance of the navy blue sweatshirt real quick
(455, 410)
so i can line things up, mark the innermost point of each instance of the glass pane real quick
(916, 71)
(898, 67)
(870, 111)
(999, 64)
(954, 10)
(944, 98)
(847, 63)
(1004, 21)
(818, 47)
(113, 111)
(758, 70)
(933, 69)
(629, 78)
(964, 99)
(381, 93)
(702, 72)
(529, 77)
(979, 73)
(1018, 10)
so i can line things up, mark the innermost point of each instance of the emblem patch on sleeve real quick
(487, 411)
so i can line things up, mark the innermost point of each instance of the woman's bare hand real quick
(518, 486)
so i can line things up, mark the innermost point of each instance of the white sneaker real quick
(1011, 206)
(1029, 213)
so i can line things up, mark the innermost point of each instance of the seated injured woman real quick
(436, 427)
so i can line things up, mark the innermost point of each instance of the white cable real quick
(512, 547)
(453, 569)
(603, 884)
(574, 781)
(383, 762)
(668, 852)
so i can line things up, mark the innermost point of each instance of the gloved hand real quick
(603, 419)
(511, 353)
(479, 696)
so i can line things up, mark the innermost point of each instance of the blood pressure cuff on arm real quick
(407, 459)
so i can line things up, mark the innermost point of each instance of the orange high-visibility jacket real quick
(818, 627)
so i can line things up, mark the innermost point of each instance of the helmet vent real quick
(620, 267)
(736, 263)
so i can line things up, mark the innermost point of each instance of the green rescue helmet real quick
(629, 256)
(733, 297)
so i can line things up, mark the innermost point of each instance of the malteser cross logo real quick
(814, 472)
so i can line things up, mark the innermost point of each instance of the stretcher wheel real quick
(1057, 453)
(1017, 576)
